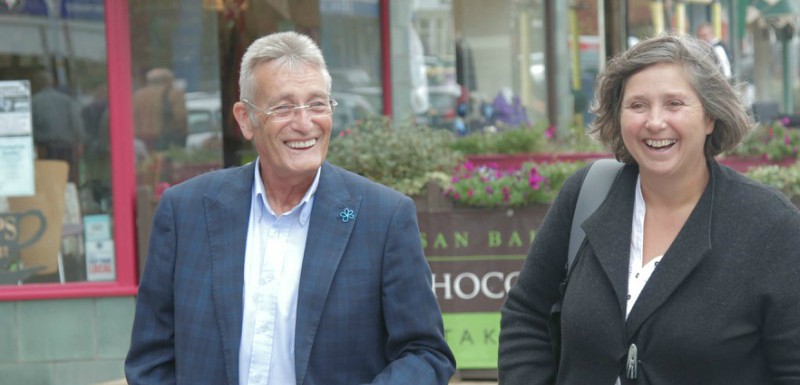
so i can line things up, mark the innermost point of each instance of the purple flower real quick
(787, 140)
(489, 190)
(455, 179)
(506, 194)
(469, 166)
(785, 121)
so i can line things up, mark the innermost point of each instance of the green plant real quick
(488, 186)
(776, 141)
(785, 179)
(402, 156)
(507, 141)
(538, 138)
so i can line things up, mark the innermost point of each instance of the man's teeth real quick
(303, 144)
(660, 143)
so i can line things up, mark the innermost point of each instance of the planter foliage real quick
(402, 156)
(488, 186)
(775, 141)
(785, 179)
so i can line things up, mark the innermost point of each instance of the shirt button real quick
(629, 297)
(637, 275)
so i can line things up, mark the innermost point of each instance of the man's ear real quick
(243, 120)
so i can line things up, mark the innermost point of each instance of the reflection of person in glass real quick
(159, 112)
(58, 130)
(287, 270)
(689, 270)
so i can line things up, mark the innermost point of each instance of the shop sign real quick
(475, 257)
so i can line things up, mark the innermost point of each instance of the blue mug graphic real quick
(10, 233)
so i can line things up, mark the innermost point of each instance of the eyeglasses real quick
(286, 112)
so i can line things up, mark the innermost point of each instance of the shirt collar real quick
(304, 207)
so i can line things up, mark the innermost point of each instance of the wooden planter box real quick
(475, 255)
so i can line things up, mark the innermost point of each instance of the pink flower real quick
(534, 179)
(550, 133)
(787, 140)
(470, 193)
(785, 121)
(457, 196)
(506, 194)
(455, 179)
(489, 190)
(469, 166)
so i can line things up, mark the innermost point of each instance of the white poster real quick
(100, 262)
(16, 139)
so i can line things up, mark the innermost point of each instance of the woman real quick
(689, 270)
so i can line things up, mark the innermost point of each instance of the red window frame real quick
(123, 171)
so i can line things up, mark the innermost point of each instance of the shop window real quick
(60, 229)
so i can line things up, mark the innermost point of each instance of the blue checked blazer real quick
(366, 312)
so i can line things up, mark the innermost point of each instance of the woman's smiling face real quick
(663, 123)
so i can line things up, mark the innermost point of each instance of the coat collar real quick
(608, 232)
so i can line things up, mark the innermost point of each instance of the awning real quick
(752, 10)
(774, 8)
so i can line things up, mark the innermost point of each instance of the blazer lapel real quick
(228, 217)
(687, 250)
(328, 235)
(608, 233)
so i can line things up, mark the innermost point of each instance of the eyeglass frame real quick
(293, 111)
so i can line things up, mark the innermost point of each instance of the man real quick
(287, 270)
(706, 32)
(58, 130)
(159, 111)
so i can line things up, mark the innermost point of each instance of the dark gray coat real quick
(723, 306)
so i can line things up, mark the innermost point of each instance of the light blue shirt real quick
(273, 261)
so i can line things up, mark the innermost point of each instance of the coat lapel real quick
(328, 235)
(608, 233)
(228, 214)
(687, 250)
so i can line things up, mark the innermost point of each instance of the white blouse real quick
(638, 275)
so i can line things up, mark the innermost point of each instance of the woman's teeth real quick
(660, 143)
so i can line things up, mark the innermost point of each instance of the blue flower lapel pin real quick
(346, 215)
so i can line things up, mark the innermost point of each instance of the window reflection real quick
(60, 232)
(482, 65)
